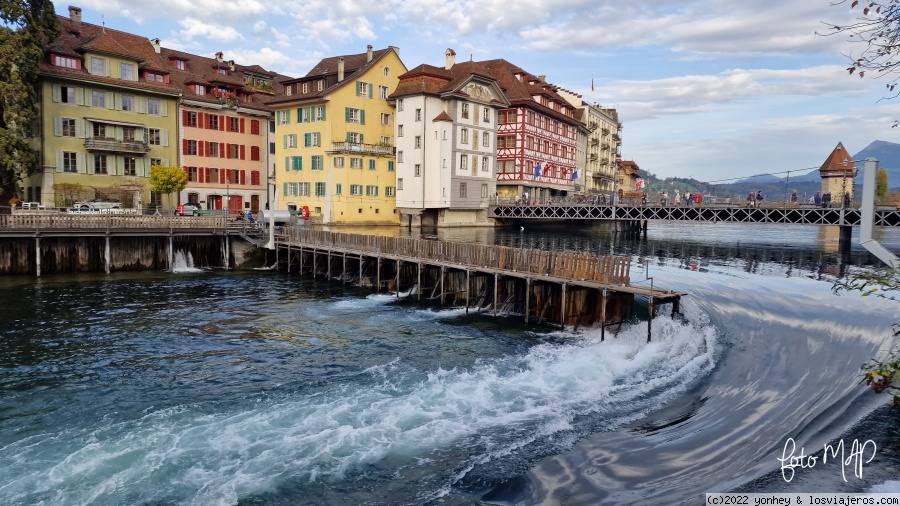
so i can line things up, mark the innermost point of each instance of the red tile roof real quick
(629, 167)
(431, 80)
(835, 162)
(521, 91)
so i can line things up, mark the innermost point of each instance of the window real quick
(463, 190)
(130, 166)
(418, 169)
(418, 114)
(69, 163)
(463, 162)
(67, 94)
(213, 150)
(486, 115)
(234, 151)
(339, 162)
(283, 117)
(289, 90)
(385, 140)
(290, 141)
(190, 118)
(192, 174)
(464, 136)
(312, 140)
(372, 164)
(355, 116)
(354, 137)
(99, 131)
(199, 89)
(484, 191)
(355, 189)
(62, 61)
(363, 89)
(305, 88)
(127, 103)
(153, 106)
(399, 130)
(293, 163)
(382, 92)
(399, 156)
(234, 124)
(320, 85)
(400, 105)
(126, 71)
(100, 164)
(303, 190)
(317, 163)
(356, 163)
(371, 191)
(320, 113)
(400, 183)
(213, 123)
(390, 166)
(222, 71)
(320, 189)
(390, 191)
(254, 177)
(387, 71)
(486, 139)
(153, 137)
(338, 189)
(254, 153)
(179, 64)
(154, 77)
(385, 118)
(506, 117)
(484, 164)
(98, 98)
(190, 147)
(465, 110)
(98, 66)
(68, 127)
(418, 142)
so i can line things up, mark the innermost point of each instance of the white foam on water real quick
(198, 455)
(888, 487)
(184, 262)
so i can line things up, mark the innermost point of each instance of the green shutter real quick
(323, 112)
(361, 139)
(349, 136)
(358, 86)
(285, 189)
(57, 94)
(346, 115)
(362, 117)
(370, 90)
(306, 140)
(298, 163)
(287, 163)
(57, 126)
(390, 166)
(299, 115)
(285, 141)
(371, 164)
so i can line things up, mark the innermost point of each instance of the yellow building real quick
(334, 140)
(107, 114)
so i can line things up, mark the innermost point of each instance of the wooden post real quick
(344, 268)
(378, 277)
(227, 252)
(603, 315)
(443, 274)
(419, 282)
(37, 256)
(650, 320)
(301, 260)
(468, 287)
(360, 270)
(398, 277)
(562, 310)
(171, 252)
(328, 270)
(315, 263)
(495, 292)
(527, 298)
(106, 254)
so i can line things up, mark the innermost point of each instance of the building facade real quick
(536, 136)
(838, 173)
(446, 127)
(602, 145)
(334, 135)
(224, 129)
(107, 114)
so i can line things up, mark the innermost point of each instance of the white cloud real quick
(293, 65)
(196, 28)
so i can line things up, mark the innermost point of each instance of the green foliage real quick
(167, 180)
(25, 26)
(881, 184)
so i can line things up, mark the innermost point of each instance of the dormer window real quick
(69, 63)
(199, 89)
(289, 90)
(321, 85)
(223, 71)
(179, 64)
(126, 71)
(154, 77)
(305, 88)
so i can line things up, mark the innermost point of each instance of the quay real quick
(562, 287)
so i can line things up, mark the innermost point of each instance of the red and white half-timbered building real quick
(536, 136)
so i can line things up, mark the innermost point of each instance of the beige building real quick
(838, 173)
(601, 147)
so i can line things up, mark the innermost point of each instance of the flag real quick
(537, 170)
(574, 175)
(592, 83)
(546, 169)
(638, 184)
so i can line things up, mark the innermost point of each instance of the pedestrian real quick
(665, 198)
(751, 199)
(794, 197)
(249, 217)
(826, 200)
(759, 198)
(525, 197)
(817, 199)
(517, 199)
(677, 197)
(846, 199)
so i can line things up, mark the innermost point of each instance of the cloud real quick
(214, 31)
(294, 65)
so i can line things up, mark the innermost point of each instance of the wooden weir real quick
(562, 287)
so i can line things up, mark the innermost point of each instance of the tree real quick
(881, 184)
(26, 26)
(166, 180)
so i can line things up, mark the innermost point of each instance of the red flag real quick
(592, 84)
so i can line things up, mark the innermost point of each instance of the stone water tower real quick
(837, 173)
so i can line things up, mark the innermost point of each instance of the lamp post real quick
(844, 184)
(227, 196)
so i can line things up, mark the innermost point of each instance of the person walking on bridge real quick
(751, 199)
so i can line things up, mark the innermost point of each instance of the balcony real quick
(605, 146)
(362, 149)
(617, 138)
(116, 146)
(605, 131)
(595, 141)
(593, 157)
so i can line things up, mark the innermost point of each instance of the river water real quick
(213, 387)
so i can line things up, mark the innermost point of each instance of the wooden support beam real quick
(37, 256)
(527, 298)
(650, 320)
(419, 282)
(344, 268)
(315, 263)
(106, 255)
(398, 278)
(443, 275)
(360, 270)
(468, 288)
(328, 271)
(562, 309)
(603, 315)
(496, 295)
(378, 277)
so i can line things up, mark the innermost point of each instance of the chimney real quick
(341, 69)
(231, 65)
(155, 44)
(369, 53)
(75, 13)
(449, 58)
(219, 57)
(543, 78)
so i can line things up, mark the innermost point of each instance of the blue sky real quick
(711, 89)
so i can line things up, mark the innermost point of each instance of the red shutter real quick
(254, 127)
(254, 153)
(184, 146)
(222, 153)
(200, 145)
(243, 152)
(242, 125)
(184, 118)
(201, 175)
(223, 177)
(208, 175)
(222, 123)
(243, 176)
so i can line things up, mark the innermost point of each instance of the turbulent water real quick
(211, 387)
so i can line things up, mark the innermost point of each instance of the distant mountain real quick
(888, 156)
(760, 179)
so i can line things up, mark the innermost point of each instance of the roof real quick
(443, 116)
(522, 91)
(431, 80)
(836, 160)
(77, 38)
(629, 167)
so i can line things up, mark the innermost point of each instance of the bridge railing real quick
(563, 264)
(58, 222)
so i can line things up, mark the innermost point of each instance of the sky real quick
(709, 89)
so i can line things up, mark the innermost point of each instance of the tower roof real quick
(838, 162)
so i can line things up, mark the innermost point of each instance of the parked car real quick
(96, 205)
(187, 210)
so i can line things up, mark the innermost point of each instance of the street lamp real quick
(227, 195)
(844, 184)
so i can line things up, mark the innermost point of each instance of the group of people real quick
(686, 199)
(824, 200)
(754, 199)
